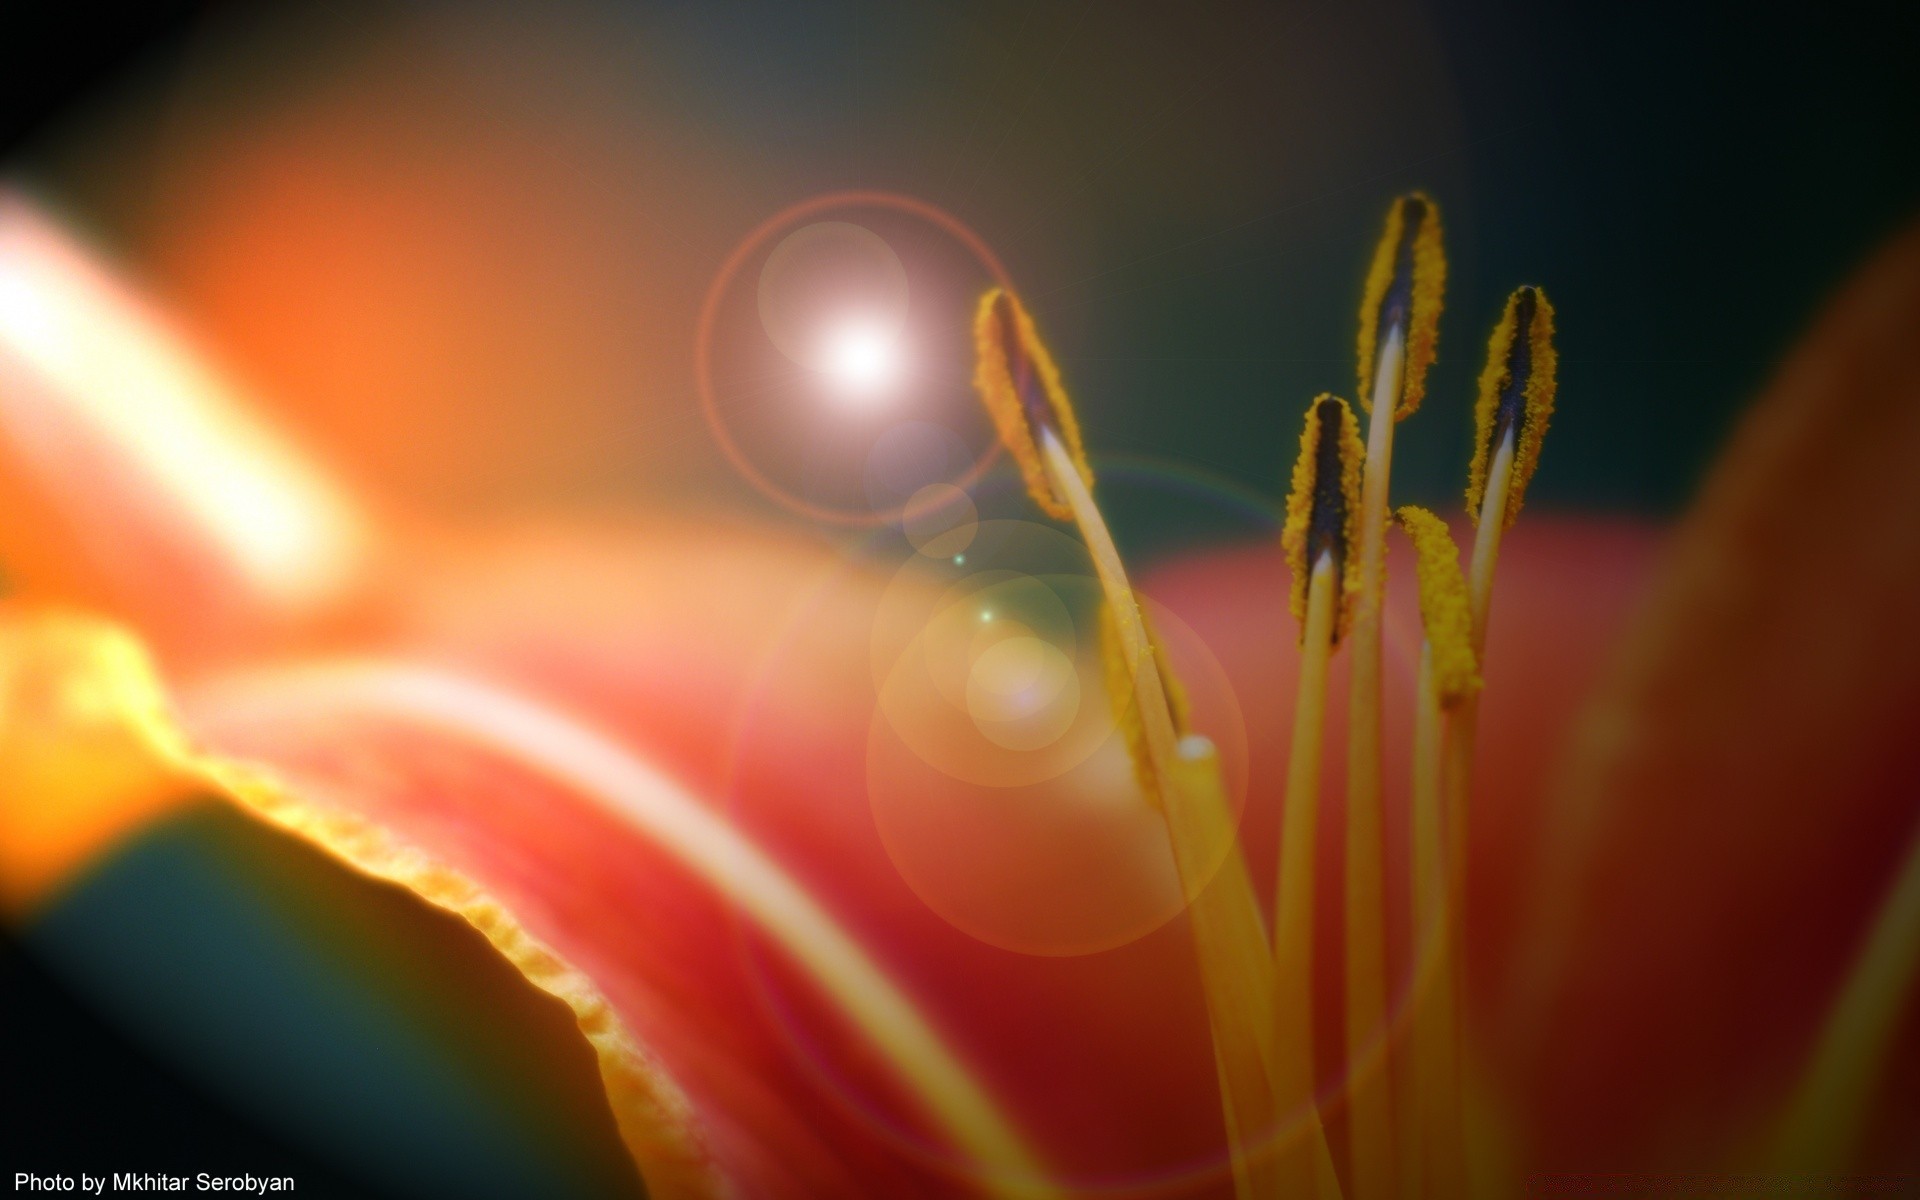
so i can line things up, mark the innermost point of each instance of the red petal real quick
(1744, 788)
(680, 654)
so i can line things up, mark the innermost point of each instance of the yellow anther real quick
(1516, 397)
(1126, 709)
(1020, 386)
(1404, 289)
(1444, 608)
(1323, 510)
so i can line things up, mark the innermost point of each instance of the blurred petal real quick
(1744, 786)
(132, 476)
(738, 663)
(119, 709)
(78, 711)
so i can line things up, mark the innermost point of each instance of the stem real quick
(1370, 1114)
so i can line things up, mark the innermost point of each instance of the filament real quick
(1293, 902)
(1235, 972)
(1370, 1117)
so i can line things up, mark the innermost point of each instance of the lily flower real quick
(657, 764)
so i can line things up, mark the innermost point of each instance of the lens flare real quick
(862, 357)
(811, 288)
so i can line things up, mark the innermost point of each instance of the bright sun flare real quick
(862, 356)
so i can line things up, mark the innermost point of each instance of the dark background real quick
(1689, 180)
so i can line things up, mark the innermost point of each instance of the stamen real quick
(1449, 673)
(1184, 772)
(1399, 333)
(1126, 713)
(1510, 418)
(1444, 608)
(1020, 386)
(1432, 1131)
(1321, 511)
(1516, 397)
(1403, 294)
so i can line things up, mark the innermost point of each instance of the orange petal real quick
(1744, 785)
(132, 475)
(77, 772)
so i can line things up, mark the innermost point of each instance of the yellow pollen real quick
(1126, 706)
(1018, 381)
(1422, 277)
(1306, 529)
(1527, 400)
(1444, 609)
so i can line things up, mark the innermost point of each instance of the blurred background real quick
(463, 249)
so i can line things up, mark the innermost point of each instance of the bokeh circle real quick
(772, 307)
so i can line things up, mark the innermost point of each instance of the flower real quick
(636, 758)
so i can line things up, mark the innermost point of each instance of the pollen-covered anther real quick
(1404, 289)
(1126, 707)
(1516, 398)
(1444, 608)
(1020, 385)
(1323, 509)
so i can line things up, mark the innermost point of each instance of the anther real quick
(1516, 399)
(1403, 295)
(1323, 509)
(1020, 386)
(1444, 611)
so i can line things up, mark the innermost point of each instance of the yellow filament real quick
(1369, 1066)
(1827, 1113)
(1293, 904)
(1421, 336)
(1235, 972)
(1226, 920)
(1449, 674)
(1541, 363)
(993, 378)
(1432, 1133)
(1126, 711)
(1456, 771)
(1397, 344)
(1445, 611)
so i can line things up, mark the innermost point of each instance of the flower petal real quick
(740, 663)
(133, 476)
(1744, 785)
